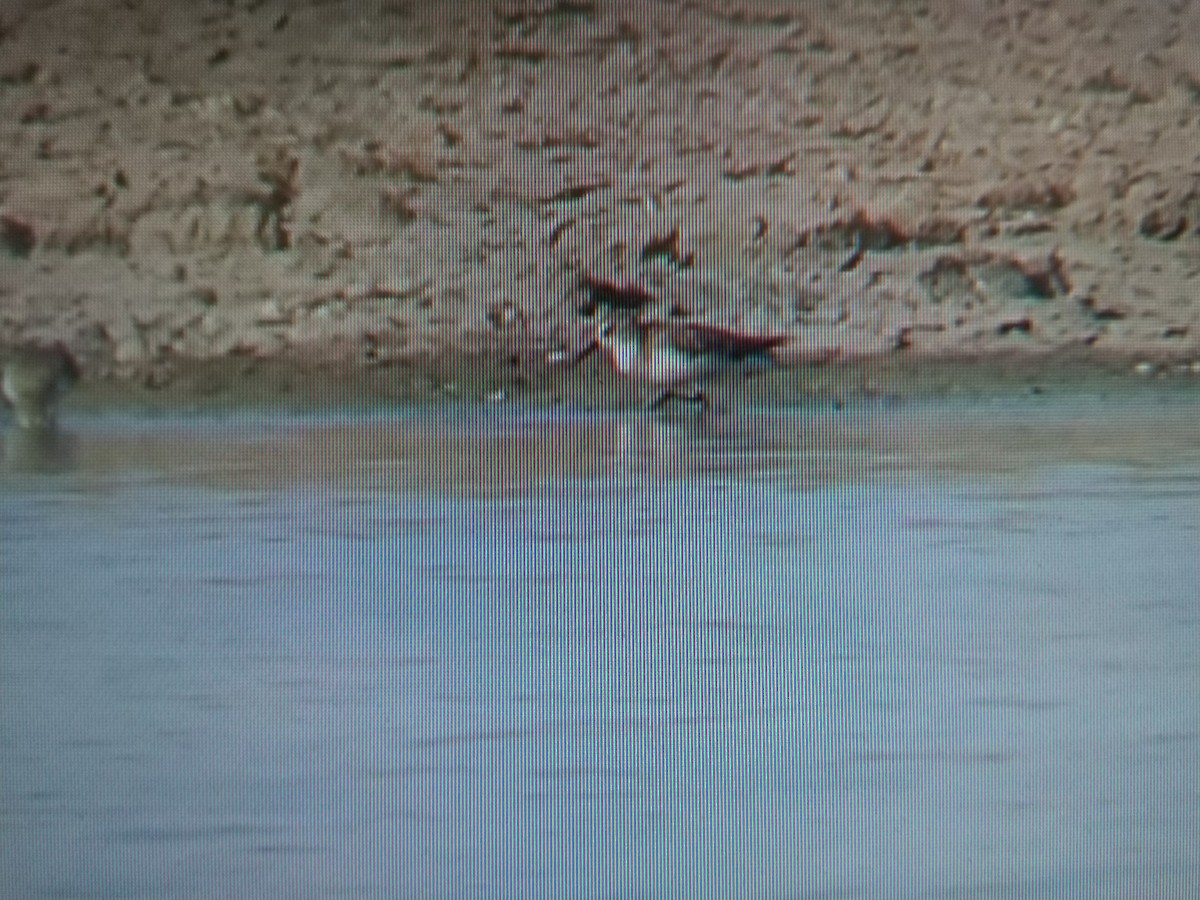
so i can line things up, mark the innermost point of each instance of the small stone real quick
(270, 313)
(17, 235)
(1145, 368)
(129, 349)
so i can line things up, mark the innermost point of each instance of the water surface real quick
(936, 651)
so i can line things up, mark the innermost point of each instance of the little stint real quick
(32, 378)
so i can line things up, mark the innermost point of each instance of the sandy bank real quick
(352, 186)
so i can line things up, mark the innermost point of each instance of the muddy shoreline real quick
(343, 188)
(892, 381)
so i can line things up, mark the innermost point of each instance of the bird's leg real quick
(583, 354)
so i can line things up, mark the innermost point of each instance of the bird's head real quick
(604, 295)
(615, 310)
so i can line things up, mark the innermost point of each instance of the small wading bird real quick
(32, 378)
(678, 358)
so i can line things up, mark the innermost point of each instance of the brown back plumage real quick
(699, 339)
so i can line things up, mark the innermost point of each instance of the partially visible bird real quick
(32, 378)
(680, 358)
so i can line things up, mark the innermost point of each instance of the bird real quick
(679, 358)
(32, 378)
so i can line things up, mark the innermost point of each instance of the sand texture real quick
(358, 184)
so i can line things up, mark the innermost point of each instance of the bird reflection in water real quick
(46, 450)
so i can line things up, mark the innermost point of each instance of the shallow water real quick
(934, 651)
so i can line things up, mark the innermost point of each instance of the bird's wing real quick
(697, 338)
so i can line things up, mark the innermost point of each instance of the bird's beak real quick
(590, 348)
